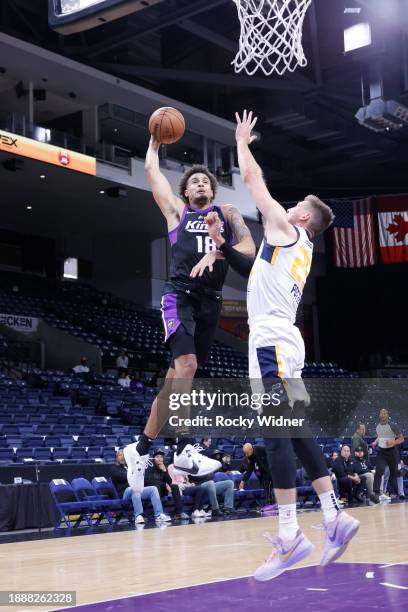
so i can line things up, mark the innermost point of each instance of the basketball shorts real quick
(190, 319)
(276, 353)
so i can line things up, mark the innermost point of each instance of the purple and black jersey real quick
(190, 242)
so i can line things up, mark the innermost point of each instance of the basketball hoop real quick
(271, 35)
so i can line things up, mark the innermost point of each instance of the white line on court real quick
(394, 586)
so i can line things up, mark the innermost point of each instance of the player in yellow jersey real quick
(276, 353)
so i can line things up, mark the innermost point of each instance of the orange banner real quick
(13, 143)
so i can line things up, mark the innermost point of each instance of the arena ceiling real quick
(310, 139)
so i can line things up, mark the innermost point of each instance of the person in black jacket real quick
(350, 484)
(119, 479)
(364, 470)
(256, 460)
(158, 476)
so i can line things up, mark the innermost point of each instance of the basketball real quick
(167, 125)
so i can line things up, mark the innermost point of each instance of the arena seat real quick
(68, 505)
(118, 507)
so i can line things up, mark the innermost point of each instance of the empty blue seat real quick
(118, 506)
(42, 454)
(10, 430)
(24, 454)
(59, 429)
(52, 441)
(78, 453)
(43, 429)
(75, 429)
(61, 454)
(84, 441)
(94, 452)
(6, 454)
(68, 505)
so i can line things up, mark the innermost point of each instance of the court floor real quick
(208, 567)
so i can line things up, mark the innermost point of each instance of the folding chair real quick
(118, 508)
(72, 512)
(98, 503)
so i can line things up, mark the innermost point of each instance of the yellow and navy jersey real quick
(278, 277)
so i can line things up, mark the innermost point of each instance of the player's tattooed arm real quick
(244, 242)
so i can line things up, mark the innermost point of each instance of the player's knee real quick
(186, 366)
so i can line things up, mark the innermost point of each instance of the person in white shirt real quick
(122, 362)
(82, 367)
(124, 380)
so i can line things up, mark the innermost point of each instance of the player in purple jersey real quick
(191, 302)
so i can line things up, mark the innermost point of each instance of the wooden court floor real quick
(115, 565)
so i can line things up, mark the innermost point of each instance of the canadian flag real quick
(393, 228)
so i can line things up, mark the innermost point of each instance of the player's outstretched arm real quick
(168, 202)
(252, 176)
(240, 262)
(244, 242)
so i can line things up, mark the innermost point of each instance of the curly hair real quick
(196, 170)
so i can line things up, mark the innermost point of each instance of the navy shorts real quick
(190, 319)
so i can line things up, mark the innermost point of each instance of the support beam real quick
(232, 80)
(209, 35)
(315, 45)
(26, 22)
(172, 17)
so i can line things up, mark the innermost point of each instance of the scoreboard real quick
(71, 16)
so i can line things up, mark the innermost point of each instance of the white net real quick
(271, 35)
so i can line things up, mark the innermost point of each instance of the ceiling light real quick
(383, 115)
(28, 207)
(42, 176)
(102, 191)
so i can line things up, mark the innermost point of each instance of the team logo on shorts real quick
(170, 324)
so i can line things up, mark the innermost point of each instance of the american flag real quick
(353, 234)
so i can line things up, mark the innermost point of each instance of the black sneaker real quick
(374, 498)
(229, 512)
(216, 513)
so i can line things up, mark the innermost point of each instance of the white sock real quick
(288, 524)
(330, 505)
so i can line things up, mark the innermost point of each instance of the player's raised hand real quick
(245, 127)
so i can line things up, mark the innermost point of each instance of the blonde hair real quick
(322, 215)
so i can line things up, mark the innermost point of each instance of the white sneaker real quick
(163, 518)
(385, 498)
(283, 556)
(191, 461)
(139, 519)
(198, 514)
(137, 465)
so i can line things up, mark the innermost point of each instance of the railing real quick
(106, 152)
(192, 149)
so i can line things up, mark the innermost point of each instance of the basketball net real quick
(271, 35)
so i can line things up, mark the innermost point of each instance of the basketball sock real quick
(330, 505)
(143, 445)
(288, 524)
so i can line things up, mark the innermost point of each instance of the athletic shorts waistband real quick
(172, 286)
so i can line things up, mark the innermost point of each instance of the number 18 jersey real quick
(278, 277)
(190, 242)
